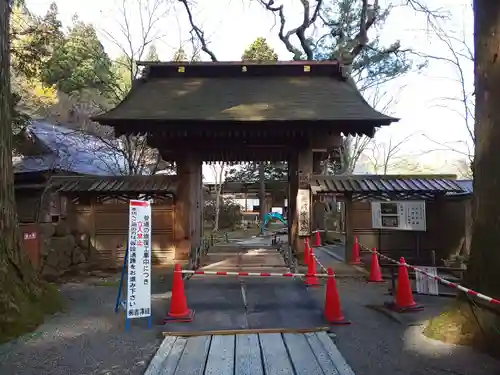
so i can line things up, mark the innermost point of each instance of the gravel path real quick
(88, 339)
(376, 345)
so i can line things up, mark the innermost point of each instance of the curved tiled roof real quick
(70, 150)
(242, 91)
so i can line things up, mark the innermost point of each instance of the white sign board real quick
(139, 260)
(425, 284)
(399, 215)
(304, 210)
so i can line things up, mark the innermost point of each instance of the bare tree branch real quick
(384, 156)
(132, 44)
(447, 146)
(198, 32)
(219, 172)
(308, 20)
(460, 54)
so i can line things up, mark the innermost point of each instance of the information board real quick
(399, 215)
(304, 208)
(139, 260)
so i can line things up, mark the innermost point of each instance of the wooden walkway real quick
(249, 354)
(251, 255)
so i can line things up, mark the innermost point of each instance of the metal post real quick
(120, 286)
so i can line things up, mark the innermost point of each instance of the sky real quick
(425, 101)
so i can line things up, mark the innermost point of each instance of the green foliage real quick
(152, 54)
(29, 311)
(33, 39)
(371, 66)
(79, 63)
(32, 99)
(259, 51)
(19, 119)
(46, 62)
(121, 72)
(180, 55)
(250, 172)
(375, 64)
(229, 213)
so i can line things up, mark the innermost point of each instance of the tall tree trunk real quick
(217, 206)
(483, 269)
(219, 179)
(20, 291)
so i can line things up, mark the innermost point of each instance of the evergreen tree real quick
(80, 63)
(259, 51)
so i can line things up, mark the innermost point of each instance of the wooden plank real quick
(170, 365)
(335, 356)
(274, 354)
(245, 331)
(221, 356)
(303, 359)
(194, 357)
(248, 360)
(321, 354)
(161, 355)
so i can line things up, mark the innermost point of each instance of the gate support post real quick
(188, 205)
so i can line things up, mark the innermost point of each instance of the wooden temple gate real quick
(290, 112)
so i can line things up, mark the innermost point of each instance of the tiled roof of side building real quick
(71, 150)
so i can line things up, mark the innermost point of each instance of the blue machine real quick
(271, 216)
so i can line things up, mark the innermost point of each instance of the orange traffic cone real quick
(311, 278)
(307, 250)
(179, 311)
(404, 297)
(333, 311)
(355, 252)
(375, 273)
(317, 239)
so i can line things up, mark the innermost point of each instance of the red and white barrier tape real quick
(443, 281)
(323, 268)
(260, 274)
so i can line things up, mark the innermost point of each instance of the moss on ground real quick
(461, 325)
(48, 303)
(456, 325)
(108, 283)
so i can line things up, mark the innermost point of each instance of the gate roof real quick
(129, 187)
(241, 91)
(386, 186)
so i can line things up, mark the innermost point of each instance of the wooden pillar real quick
(349, 230)
(302, 216)
(262, 192)
(317, 168)
(188, 223)
(292, 194)
(197, 210)
(269, 203)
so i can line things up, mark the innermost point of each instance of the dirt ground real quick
(88, 338)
